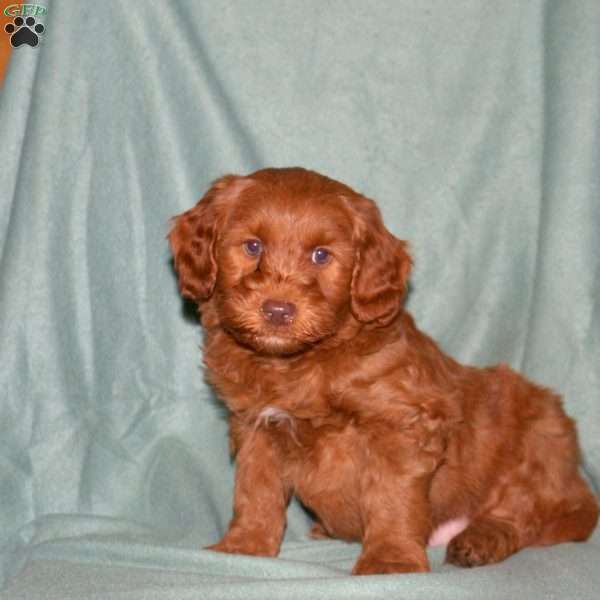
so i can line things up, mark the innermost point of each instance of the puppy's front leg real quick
(260, 500)
(396, 516)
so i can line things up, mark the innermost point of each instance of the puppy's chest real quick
(252, 387)
(322, 462)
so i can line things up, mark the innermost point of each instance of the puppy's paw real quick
(238, 542)
(380, 565)
(482, 543)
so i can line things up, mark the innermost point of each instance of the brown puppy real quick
(334, 394)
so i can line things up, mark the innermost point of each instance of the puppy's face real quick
(287, 256)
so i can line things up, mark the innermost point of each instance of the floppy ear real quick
(381, 269)
(193, 236)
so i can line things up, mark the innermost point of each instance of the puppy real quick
(335, 396)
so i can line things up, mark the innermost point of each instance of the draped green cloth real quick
(476, 126)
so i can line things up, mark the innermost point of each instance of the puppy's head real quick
(286, 256)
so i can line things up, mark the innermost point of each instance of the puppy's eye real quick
(320, 256)
(252, 247)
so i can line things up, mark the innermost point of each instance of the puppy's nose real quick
(278, 312)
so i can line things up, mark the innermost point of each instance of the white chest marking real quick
(271, 415)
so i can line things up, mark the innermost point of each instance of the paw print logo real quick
(24, 31)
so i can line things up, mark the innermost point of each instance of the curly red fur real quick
(346, 404)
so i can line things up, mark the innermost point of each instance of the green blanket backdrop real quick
(475, 124)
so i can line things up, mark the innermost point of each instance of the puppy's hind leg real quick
(542, 501)
(573, 519)
(486, 540)
(523, 519)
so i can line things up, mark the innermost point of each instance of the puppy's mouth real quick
(244, 318)
(271, 343)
